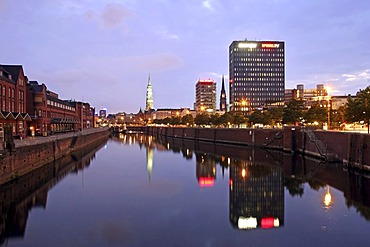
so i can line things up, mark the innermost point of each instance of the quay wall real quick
(334, 146)
(30, 154)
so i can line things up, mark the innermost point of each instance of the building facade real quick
(256, 74)
(205, 96)
(13, 99)
(50, 114)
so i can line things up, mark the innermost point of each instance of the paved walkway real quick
(44, 139)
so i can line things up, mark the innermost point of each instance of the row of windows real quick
(11, 99)
(246, 69)
(255, 94)
(260, 84)
(276, 60)
(260, 74)
(258, 49)
(251, 101)
(259, 79)
(259, 55)
(255, 66)
(63, 106)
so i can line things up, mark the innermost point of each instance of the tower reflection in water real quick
(256, 195)
(256, 191)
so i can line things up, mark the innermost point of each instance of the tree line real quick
(294, 113)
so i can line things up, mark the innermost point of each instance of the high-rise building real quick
(149, 96)
(223, 96)
(256, 74)
(205, 96)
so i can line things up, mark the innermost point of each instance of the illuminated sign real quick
(247, 45)
(206, 182)
(247, 223)
(270, 45)
(270, 222)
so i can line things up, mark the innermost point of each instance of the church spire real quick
(149, 96)
(223, 96)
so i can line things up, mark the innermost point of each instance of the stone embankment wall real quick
(32, 153)
(353, 149)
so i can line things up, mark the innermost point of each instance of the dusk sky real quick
(102, 51)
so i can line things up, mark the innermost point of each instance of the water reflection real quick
(258, 178)
(31, 190)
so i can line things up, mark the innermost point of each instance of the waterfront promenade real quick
(44, 139)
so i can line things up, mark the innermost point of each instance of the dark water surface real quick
(140, 191)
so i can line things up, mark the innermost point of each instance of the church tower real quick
(149, 96)
(223, 96)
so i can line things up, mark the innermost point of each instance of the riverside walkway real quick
(29, 140)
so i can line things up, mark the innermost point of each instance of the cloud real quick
(113, 14)
(208, 5)
(167, 35)
(360, 77)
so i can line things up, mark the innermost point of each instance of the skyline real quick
(101, 52)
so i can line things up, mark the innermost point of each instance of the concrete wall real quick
(25, 158)
(350, 148)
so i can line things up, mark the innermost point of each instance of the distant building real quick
(223, 104)
(205, 96)
(171, 112)
(52, 115)
(256, 74)
(103, 113)
(149, 96)
(308, 96)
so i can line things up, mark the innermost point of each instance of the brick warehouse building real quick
(53, 115)
(13, 99)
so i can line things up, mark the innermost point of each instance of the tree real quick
(276, 115)
(175, 120)
(256, 118)
(293, 112)
(359, 109)
(316, 114)
(201, 119)
(239, 119)
(187, 119)
(225, 119)
(337, 117)
(213, 119)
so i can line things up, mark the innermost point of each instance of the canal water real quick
(137, 190)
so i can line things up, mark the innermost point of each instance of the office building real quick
(205, 96)
(256, 74)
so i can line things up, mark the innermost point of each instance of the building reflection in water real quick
(31, 190)
(327, 198)
(257, 178)
(256, 195)
(205, 169)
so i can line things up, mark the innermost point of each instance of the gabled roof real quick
(14, 70)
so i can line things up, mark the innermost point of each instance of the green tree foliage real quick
(257, 117)
(359, 108)
(202, 119)
(337, 117)
(293, 112)
(175, 120)
(187, 119)
(276, 115)
(316, 114)
(225, 119)
(239, 119)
